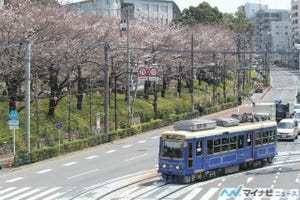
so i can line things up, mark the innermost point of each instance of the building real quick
(162, 10)
(280, 32)
(295, 22)
(250, 9)
(264, 21)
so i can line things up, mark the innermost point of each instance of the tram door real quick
(190, 155)
(250, 142)
(198, 161)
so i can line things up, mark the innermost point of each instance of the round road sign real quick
(58, 125)
(153, 71)
(142, 71)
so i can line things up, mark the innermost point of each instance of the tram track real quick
(107, 189)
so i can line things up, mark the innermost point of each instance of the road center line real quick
(110, 151)
(91, 157)
(136, 157)
(70, 163)
(44, 171)
(84, 173)
(14, 179)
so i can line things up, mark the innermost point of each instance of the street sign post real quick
(13, 124)
(59, 125)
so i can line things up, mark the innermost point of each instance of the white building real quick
(250, 9)
(280, 31)
(295, 22)
(162, 10)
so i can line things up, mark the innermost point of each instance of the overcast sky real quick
(230, 6)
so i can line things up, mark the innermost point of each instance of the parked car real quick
(296, 107)
(296, 115)
(287, 129)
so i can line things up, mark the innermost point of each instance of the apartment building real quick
(161, 10)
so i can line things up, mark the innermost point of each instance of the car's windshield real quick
(297, 107)
(297, 115)
(285, 125)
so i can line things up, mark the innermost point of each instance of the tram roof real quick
(220, 130)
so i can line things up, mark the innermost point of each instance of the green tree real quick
(203, 13)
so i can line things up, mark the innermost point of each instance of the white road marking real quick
(167, 191)
(14, 193)
(7, 190)
(192, 194)
(84, 173)
(26, 194)
(40, 195)
(136, 157)
(70, 163)
(126, 146)
(128, 192)
(14, 179)
(155, 137)
(210, 193)
(249, 179)
(91, 157)
(142, 141)
(298, 178)
(54, 196)
(44, 171)
(111, 151)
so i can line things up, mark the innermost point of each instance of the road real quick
(126, 169)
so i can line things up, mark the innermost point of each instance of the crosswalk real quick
(201, 193)
(35, 193)
(138, 192)
(287, 157)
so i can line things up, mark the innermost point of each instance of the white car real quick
(296, 107)
(296, 115)
(287, 129)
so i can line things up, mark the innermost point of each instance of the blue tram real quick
(201, 149)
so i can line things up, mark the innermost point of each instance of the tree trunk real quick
(80, 89)
(54, 94)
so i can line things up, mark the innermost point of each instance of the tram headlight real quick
(177, 167)
(164, 166)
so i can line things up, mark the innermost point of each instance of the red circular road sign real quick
(153, 71)
(142, 71)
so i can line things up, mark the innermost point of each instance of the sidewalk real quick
(244, 108)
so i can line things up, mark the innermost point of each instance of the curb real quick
(267, 91)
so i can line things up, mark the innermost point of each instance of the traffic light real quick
(240, 100)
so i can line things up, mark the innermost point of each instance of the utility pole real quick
(106, 92)
(128, 65)
(27, 92)
(239, 66)
(192, 72)
(215, 66)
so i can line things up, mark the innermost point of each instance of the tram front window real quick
(172, 149)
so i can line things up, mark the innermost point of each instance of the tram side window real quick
(272, 136)
(265, 137)
(232, 145)
(217, 145)
(199, 148)
(240, 141)
(225, 144)
(258, 138)
(209, 146)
